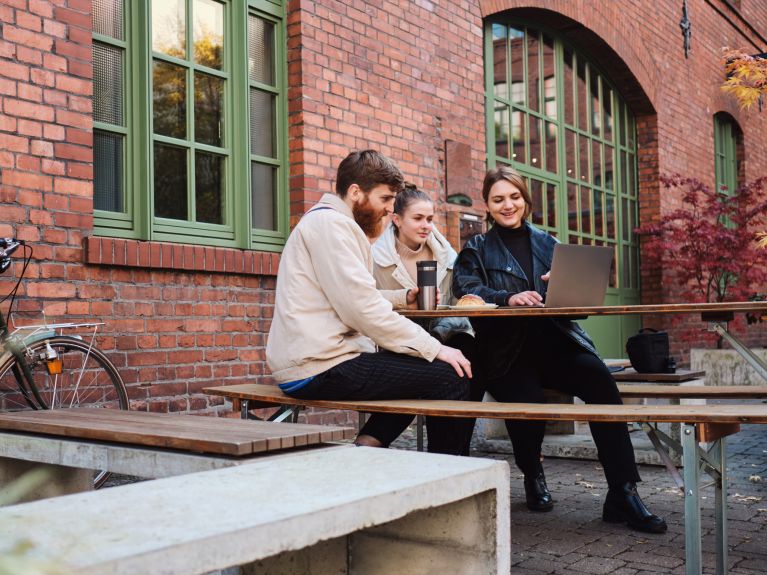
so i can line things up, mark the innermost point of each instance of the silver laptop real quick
(579, 276)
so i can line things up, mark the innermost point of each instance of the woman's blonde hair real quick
(495, 175)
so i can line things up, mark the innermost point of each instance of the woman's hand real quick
(528, 298)
(411, 298)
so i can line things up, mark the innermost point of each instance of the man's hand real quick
(545, 277)
(454, 357)
(528, 298)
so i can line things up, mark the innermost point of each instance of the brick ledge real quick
(162, 255)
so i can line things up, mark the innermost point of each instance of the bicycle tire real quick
(87, 378)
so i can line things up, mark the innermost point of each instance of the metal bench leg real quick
(719, 452)
(692, 531)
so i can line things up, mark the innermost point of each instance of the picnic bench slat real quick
(750, 413)
(177, 431)
(694, 391)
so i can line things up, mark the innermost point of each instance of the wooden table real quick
(717, 315)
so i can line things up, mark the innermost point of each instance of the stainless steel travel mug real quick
(427, 284)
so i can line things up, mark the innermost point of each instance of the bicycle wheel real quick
(67, 372)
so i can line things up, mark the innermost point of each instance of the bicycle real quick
(41, 367)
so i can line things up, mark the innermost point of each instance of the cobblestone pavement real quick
(572, 539)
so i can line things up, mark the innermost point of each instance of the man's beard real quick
(367, 218)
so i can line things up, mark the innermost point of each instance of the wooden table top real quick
(706, 309)
(748, 413)
(630, 374)
(213, 435)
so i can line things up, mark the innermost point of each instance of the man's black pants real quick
(387, 375)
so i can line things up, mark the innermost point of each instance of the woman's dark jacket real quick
(485, 267)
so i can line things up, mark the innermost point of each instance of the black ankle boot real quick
(623, 505)
(537, 493)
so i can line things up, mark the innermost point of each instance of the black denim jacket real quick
(485, 267)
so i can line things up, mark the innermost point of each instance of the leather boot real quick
(623, 505)
(537, 492)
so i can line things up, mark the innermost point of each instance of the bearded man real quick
(334, 335)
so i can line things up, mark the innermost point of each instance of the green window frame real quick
(173, 161)
(725, 154)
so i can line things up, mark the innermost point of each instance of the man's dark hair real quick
(368, 169)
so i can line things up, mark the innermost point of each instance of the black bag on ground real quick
(648, 352)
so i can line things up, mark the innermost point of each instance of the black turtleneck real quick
(517, 241)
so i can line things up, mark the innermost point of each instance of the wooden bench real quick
(74, 441)
(700, 424)
(341, 510)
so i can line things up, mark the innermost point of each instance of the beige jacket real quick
(390, 274)
(327, 308)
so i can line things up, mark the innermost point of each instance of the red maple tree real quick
(711, 244)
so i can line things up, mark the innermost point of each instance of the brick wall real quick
(403, 77)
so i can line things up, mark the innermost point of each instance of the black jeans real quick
(550, 360)
(387, 375)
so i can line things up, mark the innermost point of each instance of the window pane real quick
(583, 95)
(518, 136)
(596, 162)
(568, 89)
(551, 148)
(260, 50)
(599, 222)
(169, 95)
(572, 207)
(208, 33)
(533, 72)
(610, 217)
(169, 27)
(586, 210)
(550, 82)
(607, 108)
(170, 182)
(583, 154)
(609, 152)
(570, 153)
(107, 84)
(502, 131)
(262, 185)
(517, 66)
(500, 81)
(536, 192)
(262, 127)
(108, 18)
(551, 205)
(209, 188)
(535, 142)
(108, 171)
(208, 109)
(596, 108)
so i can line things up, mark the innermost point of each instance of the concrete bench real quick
(342, 510)
(701, 424)
(72, 442)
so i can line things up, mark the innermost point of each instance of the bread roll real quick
(470, 300)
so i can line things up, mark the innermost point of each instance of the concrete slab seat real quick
(330, 511)
(700, 425)
(74, 441)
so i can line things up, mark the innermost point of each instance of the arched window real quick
(555, 117)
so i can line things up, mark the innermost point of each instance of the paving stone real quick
(597, 565)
